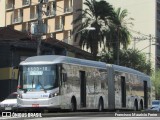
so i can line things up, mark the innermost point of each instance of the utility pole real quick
(134, 43)
(149, 59)
(118, 45)
(134, 39)
(149, 56)
(39, 26)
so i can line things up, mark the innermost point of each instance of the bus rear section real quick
(131, 89)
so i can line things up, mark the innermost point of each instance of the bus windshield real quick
(39, 77)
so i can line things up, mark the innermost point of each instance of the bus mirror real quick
(64, 77)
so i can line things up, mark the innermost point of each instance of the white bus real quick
(61, 82)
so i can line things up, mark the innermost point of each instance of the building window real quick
(51, 9)
(34, 12)
(26, 2)
(59, 22)
(17, 16)
(67, 37)
(10, 4)
(68, 6)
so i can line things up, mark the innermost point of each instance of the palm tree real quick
(119, 33)
(97, 15)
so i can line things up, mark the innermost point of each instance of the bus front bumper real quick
(50, 103)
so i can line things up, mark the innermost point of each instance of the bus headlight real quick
(53, 95)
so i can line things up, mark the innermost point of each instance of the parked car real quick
(155, 105)
(10, 103)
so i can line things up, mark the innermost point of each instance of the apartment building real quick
(57, 17)
(146, 28)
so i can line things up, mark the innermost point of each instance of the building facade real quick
(57, 17)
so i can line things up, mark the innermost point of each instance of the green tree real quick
(156, 83)
(130, 58)
(118, 33)
(98, 15)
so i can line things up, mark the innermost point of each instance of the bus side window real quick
(64, 77)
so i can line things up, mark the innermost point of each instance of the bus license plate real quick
(8, 108)
(35, 105)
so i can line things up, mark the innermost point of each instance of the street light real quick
(87, 28)
(69, 37)
(156, 44)
(90, 28)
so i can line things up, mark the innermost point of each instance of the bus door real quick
(123, 91)
(63, 84)
(145, 94)
(82, 88)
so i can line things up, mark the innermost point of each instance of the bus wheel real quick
(73, 105)
(100, 105)
(141, 105)
(135, 105)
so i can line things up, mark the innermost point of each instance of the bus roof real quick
(129, 70)
(55, 59)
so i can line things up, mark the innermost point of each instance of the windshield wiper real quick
(41, 85)
(32, 82)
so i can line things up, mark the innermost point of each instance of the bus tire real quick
(141, 105)
(136, 105)
(100, 105)
(73, 104)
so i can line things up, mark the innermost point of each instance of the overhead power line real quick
(141, 33)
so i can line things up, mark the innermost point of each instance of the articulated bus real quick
(61, 82)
